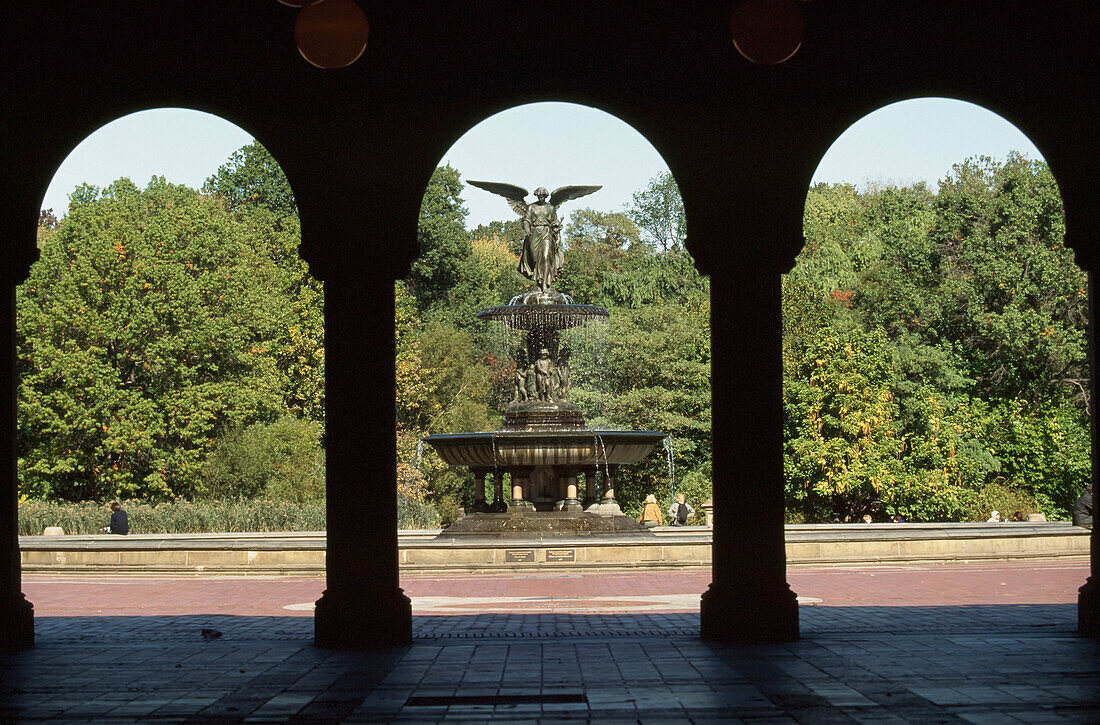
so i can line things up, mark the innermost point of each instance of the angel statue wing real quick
(565, 193)
(511, 192)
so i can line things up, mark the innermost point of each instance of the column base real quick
(517, 506)
(748, 615)
(571, 505)
(365, 621)
(17, 633)
(606, 507)
(1088, 608)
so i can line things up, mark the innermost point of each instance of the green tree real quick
(984, 316)
(656, 376)
(441, 388)
(252, 179)
(444, 246)
(280, 461)
(255, 189)
(658, 210)
(841, 446)
(144, 330)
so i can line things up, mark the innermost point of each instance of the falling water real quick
(601, 449)
(419, 453)
(670, 458)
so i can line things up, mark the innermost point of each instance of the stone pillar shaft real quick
(479, 492)
(498, 492)
(1088, 596)
(16, 613)
(748, 599)
(363, 605)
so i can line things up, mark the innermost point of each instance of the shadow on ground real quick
(917, 664)
(816, 621)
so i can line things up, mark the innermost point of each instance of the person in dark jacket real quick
(120, 524)
(1082, 509)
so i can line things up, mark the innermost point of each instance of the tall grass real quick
(203, 517)
(174, 517)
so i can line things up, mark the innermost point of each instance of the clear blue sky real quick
(902, 143)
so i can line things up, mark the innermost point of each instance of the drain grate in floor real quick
(554, 698)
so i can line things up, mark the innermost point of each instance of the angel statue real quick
(542, 256)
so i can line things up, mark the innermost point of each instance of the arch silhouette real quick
(360, 143)
(920, 134)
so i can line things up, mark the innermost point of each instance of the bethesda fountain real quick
(544, 446)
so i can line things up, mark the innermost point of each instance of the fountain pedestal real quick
(543, 446)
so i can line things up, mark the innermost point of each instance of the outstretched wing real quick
(511, 192)
(565, 193)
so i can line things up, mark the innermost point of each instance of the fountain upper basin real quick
(545, 448)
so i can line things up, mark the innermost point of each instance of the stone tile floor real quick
(972, 658)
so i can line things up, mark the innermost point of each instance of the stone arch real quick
(508, 157)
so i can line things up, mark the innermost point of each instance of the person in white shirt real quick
(680, 511)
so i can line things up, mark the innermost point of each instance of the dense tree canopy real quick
(157, 321)
(171, 343)
(973, 389)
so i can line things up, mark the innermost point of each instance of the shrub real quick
(281, 461)
(415, 514)
(1000, 496)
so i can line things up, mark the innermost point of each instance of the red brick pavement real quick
(1049, 582)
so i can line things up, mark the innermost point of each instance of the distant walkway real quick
(993, 583)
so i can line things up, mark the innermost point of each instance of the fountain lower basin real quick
(512, 449)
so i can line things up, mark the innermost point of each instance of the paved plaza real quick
(978, 643)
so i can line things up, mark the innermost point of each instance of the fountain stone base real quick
(549, 523)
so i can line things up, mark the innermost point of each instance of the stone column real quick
(589, 486)
(609, 485)
(363, 605)
(498, 506)
(1088, 596)
(16, 613)
(748, 599)
(480, 506)
(571, 503)
(521, 483)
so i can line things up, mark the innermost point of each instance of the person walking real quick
(651, 513)
(680, 511)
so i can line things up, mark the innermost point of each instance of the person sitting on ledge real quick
(651, 514)
(680, 511)
(994, 517)
(119, 522)
(1082, 509)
